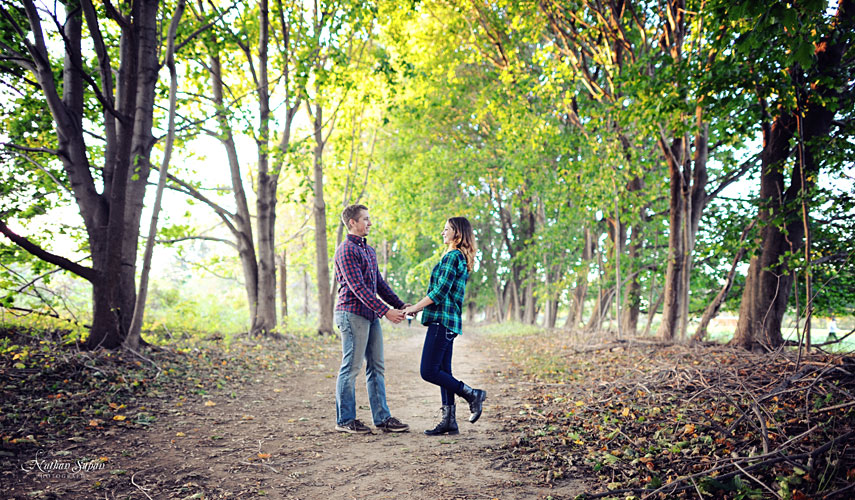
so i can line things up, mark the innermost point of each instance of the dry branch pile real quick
(655, 421)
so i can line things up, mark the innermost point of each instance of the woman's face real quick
(447, 234)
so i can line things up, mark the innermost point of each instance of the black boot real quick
(448, 424)
(475, 398)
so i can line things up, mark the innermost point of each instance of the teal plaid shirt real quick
(446, 289)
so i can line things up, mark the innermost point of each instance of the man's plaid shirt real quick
(446, 289)
(359, 281)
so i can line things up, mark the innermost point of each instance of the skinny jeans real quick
(436, 362)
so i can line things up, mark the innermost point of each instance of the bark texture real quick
(769, 281)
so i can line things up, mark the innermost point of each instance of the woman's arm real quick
(418, 306)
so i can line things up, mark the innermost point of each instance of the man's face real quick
(361, 224)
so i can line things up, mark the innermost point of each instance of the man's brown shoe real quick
(392, 424)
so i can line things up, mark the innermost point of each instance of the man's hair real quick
(351, 212)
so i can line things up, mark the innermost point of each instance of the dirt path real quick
(275, 439)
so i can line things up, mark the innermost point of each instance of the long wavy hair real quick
(463, 240)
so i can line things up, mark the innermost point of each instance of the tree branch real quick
(195, 193)
(105, 98)
(18, 58)
(202, 29)
(203, 238)
(86, 273)
(49, 151)
(732, 177)
(45, 171)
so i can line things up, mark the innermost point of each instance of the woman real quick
(442, 307)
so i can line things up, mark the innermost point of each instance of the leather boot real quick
(475, 398)
(448, 424)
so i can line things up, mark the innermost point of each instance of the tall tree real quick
(818, 82)
(340, 35)
(605, 43)
(133, 337)
(261, 39)
(109, 194)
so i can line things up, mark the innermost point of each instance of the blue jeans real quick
(360, 338)
(436, 362)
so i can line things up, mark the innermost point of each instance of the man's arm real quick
(348, 262)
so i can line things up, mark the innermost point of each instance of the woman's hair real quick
(463, 239)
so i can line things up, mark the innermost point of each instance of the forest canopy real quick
(634, 166)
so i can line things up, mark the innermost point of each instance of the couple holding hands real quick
(357, 316)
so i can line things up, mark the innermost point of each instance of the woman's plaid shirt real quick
(359, 281)
(446, 289)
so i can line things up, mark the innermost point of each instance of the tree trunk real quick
(632, 289)
(530, 307)
(516, 303)
(652, 312)
(241, 226)
(551, 315)
(712, 309)
(674, 293)
(769, 281)
(305, 293)
(114, 297)
(319, 208)
(147, 70)
(385, 259)
(688, 180)
(508, 311)
(580, 291)
(500, 301)
(604, 301)
(283, 285)
(133, 338)
(265, 191)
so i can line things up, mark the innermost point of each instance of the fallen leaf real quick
(263, 455)
(119, 417)
(210, 403)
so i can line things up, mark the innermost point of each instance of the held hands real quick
(411, 310)
(395, 315)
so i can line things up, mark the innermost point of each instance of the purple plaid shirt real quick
(359, 280)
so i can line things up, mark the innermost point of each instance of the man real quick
(357, 315)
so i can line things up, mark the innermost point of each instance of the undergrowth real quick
(650, 420)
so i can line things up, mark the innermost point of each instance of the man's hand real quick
(395, 315)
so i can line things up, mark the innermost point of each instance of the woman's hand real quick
(410, 310)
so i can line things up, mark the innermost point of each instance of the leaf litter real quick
(652, 420)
